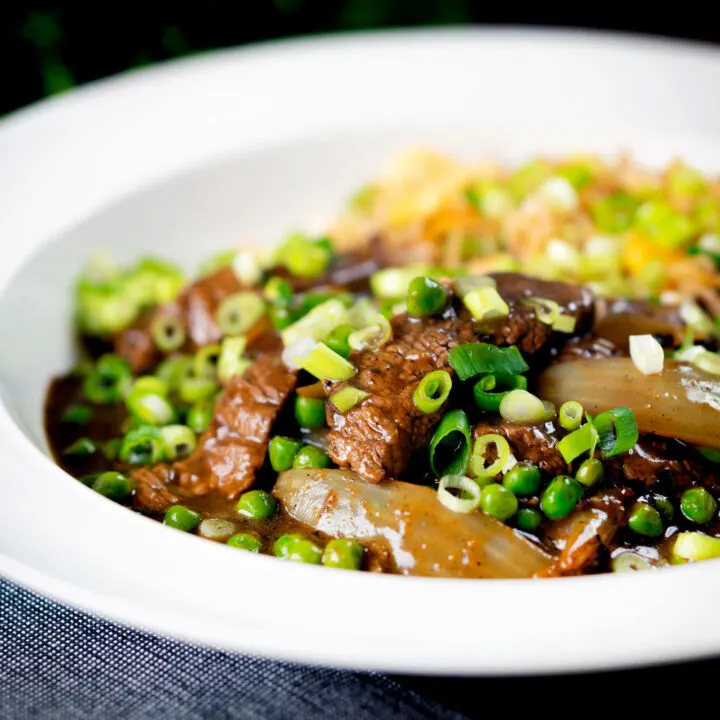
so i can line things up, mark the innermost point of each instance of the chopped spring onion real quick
(558, 195)
(432, 391)
(710, 243)
(696, 546)
(696, 318)
(482, 358)
(628, 561)
(708, 361)
(647, 354)
(547, 311)
(178, 440)
(689, 354)
(465, 283)
(565, 324)
(710, 454)
(393, 283)
(216, 529)
(550, 410)
(168, 332)
(200, 415)
(617, 431)
(147, 401)
(325, 364)
(150, 408)
(278, 291)
(563, 256)
(373, 336)
(578, 442)
(246, 268)
(485, 303)
(174, 369)
(239, 312)
(304, 257)
(337, 340)
(502, 454)
(297, 349)
(520, 406)
(665, 225)
(614, 213)
(318, 323)
(231, 362)
(109, 381)
(570, 415)
(142, 445)
(487, 395)
(206, 360)
(450, 446)
(348, 397)
(194, 389)
(468, 498)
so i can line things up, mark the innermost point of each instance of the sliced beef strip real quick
(196, 306)
(618, 319)
(655, 460)
(151, 492)
(233, 448)
(522, 326)
(377, 437)
(589, 347)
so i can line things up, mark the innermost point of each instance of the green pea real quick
(560, 497)
(310, 412)
(337, 340)
(182, 518)
(311, 457)
(645, 520)
(343, 553)
(523, 479)
(245, 541)
(528, 519)
(590, 472)
(113, 485)
(498, 501)
(199, 416)
(256, 505)
(298, 548)
(698, 505)
(282, 452)
(425, 297)
(82, 447)
(665, 507)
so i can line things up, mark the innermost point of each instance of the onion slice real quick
(647, 354)
(682, 402)
(419, 534)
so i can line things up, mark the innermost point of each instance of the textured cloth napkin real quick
(58, 663)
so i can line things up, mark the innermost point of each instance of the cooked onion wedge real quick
(421, 536)
(680, 402)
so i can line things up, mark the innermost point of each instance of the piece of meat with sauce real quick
(151, 491)
(195, 306)
(522, 326)
(587, 532)
(233, 448)
(377, 437)
(656, 460)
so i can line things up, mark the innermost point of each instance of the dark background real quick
(48, 47)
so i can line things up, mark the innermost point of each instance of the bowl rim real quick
(619, 638)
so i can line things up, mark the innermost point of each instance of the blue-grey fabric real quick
(58, 663)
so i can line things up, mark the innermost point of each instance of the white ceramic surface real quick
(242, 146)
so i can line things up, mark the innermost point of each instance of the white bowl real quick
(243, 146)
